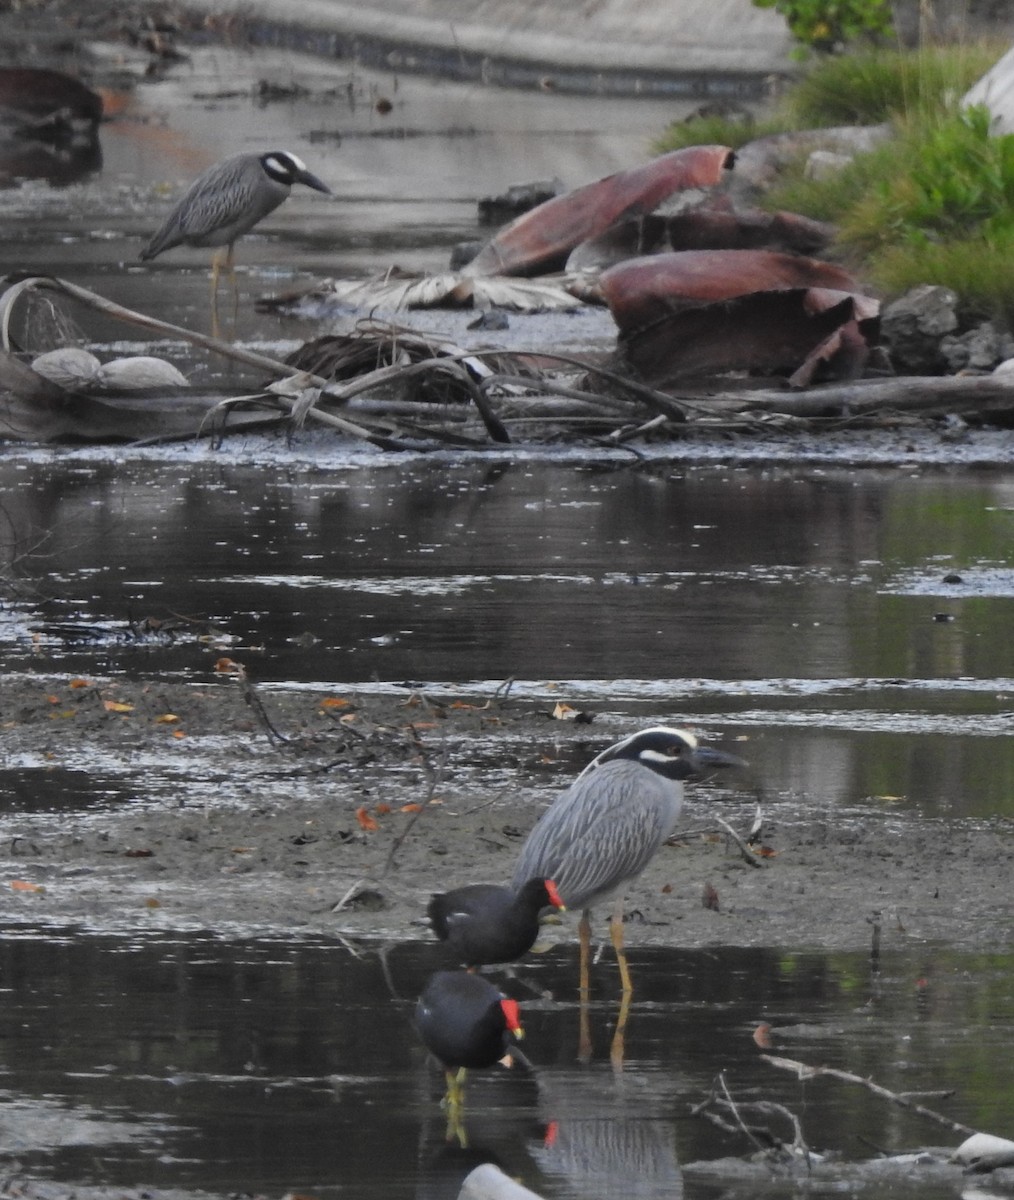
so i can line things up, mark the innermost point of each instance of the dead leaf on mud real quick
(710, 897)
(22, 885)
(365, 820)
(117, 706)
(139, 854)
(229, 666)
(79, 683)
(167, 719)
(564, 712)
(334, 702)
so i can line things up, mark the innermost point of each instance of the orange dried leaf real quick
(53, 699)
(117, 706)
(410, 808)
(151, 902)
(762, 1036)
(179, 733)
(564, 712)
(365, 820)
(22, 885)
(334, 702)
(765, 852)
(228, 666)
(167, 719)
(382, 810)
(78, 683)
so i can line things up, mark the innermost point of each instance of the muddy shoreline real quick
(323, 834)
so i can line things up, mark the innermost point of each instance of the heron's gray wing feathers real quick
(601, 832)
(223, 203)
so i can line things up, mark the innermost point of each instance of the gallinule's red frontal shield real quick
(466, 1023)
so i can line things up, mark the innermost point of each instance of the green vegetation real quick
(829, 25)
(934, 203)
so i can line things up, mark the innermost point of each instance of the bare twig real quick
(435, 776)
(804, 1071)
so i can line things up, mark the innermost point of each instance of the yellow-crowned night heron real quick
(606, 827)
(228, 200)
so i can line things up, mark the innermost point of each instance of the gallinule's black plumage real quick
(487, 923)
(466, 1023)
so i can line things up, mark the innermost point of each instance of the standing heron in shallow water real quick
(225, 202)
(607, 826)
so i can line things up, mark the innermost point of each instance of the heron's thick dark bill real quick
(704, 759)
(311, 180)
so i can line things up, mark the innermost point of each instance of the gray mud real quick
(231, 829)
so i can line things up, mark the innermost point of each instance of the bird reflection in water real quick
(607, 1135)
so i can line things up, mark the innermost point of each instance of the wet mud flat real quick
(373, 801)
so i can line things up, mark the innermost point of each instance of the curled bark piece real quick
(541, 239)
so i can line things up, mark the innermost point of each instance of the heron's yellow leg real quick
(230, 266)
(216, 269)
(616, 934)
(584, 1046)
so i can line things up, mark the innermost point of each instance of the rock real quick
(517, 199)
(69, 367)
(913, 325)
(488, 1182)
(984, 1151)
(825, 164)
(142, 371)
(980, 349)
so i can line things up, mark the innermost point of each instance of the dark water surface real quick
(292, 1065)
(807, 611)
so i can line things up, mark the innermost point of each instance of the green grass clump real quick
(879, 85)
(934, 203)
(729, 131)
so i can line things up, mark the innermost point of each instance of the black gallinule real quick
(466, 1023)
(488, 923)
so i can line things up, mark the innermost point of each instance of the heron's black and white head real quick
(287, 169)
(671, 753)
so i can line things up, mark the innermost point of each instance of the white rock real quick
(825, 164)
(1005, 369)
(69, 367)
(126, 374)
(981, 1145)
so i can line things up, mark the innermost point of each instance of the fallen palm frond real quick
(399, 389)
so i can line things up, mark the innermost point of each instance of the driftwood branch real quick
(914, 393)
(804, 1071)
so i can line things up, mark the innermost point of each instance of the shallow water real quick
(175, 1060)
(805, 612)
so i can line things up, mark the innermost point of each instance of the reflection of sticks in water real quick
(763, 1139)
